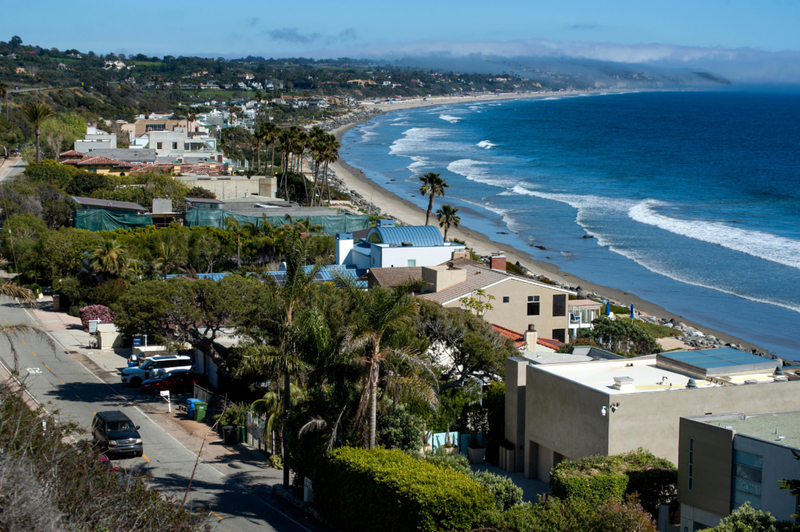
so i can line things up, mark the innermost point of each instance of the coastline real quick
(409, 213)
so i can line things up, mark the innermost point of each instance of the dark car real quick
(176, 381)
(114, 433)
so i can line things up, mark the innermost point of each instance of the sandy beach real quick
(408, 213)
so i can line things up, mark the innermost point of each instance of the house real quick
(388, 246)
(603, 407)
(728, 460)
(129, 155)
(99, 165)
(581, 314)
(96, 139)
(119, 207)
(106, 215)
(518, 302)
(203, 203)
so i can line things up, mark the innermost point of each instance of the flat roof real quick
(645, 374)
(770, 427)
(717, 362)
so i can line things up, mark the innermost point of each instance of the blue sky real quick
(623, 30)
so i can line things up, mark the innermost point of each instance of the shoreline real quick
(408, 213)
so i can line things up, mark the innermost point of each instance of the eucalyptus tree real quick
(432, 185)
(36, 113)
(448, 218)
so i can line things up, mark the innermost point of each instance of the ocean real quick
(692, 199)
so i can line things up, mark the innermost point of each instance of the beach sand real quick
(410, 214)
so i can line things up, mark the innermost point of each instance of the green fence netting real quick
(102, 220)
(331, 224)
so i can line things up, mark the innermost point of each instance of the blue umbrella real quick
(608, 308)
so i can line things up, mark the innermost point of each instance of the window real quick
(506, 299)
(560, 305)
(412, 263)
(560, 335)
(747, 479)
(158, 145)
(174, 145)
(691, 464)
(533, 305)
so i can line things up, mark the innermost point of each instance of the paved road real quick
(11, 167)
(237, 492)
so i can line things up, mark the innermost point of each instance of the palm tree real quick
(288, 299)
(447, 218)
(330, 155)
(271, 407)
(36, 113)
(232, 224)
(271, 132)
(260, 136)
(380, 310)
(4, 95)
(432, 185)
(109, 258)
(168, 257)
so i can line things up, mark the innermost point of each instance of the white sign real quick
(164, 393)
(34, 371)
(93, 326)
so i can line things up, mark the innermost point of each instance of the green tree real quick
(623, 336)
(745, 518)
(432, 185)
(378, 312)
(109, 259)
(36, 113)
(448, 218)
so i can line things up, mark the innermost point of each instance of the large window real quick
(747, 479)
(560, 305)
(158, 145)
(533, 305)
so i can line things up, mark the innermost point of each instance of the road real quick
(11, 167)
(235, 492)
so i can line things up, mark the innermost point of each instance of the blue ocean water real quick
(693, 198)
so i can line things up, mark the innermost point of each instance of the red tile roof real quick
(519, 339)
(71, 154)
(104, 161)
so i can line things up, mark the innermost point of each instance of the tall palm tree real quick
(109, 258)
(4, 95)
(299, 147)
(36, 113)
(232, 224)
(432, 185)
(380, 310)
(330, 155)
(260, 136)
(271, 132)
(447, 217)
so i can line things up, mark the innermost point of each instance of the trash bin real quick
(190, 406)
(243, 437)
(229, 435)
(200, 411)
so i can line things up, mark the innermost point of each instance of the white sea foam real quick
(450, 118)
(476, 171)
(549, 99)
(486, 144)
(765, 246)
(419, 164)
(416, 140)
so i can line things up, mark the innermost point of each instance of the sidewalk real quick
(106, 365)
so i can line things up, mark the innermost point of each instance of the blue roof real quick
(417, 235)
(212, 276)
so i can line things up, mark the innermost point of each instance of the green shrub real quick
(600, 478)
(506, 494)
(389, 490)
(398, 429)
(455, 461)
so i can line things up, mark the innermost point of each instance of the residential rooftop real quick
(665, 372)
(778, 428)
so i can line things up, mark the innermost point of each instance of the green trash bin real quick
(200, 411)
(244, 435)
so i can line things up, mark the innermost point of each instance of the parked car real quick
(114, 433)
(14, 153)
(176, 381)
(154, 367)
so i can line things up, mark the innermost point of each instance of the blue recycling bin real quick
(190, 406)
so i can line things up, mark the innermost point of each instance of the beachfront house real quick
(389, 246)
(519, 303)
(558, 412)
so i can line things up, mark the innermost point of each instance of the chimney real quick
(463, 254)
(497, 261)
(531, 337)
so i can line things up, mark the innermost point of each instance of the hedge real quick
(387, 490)
(600, 478)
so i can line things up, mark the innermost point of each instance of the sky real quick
(721, 34)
